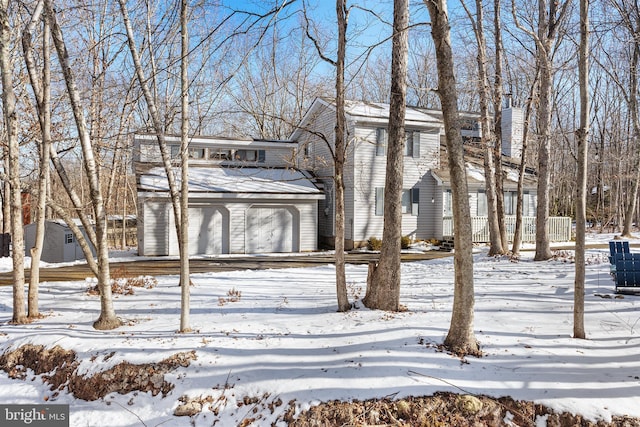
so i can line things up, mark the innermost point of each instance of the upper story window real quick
(196, 153)
(411, 145)
(381, 141)
(250, 156)
(68, 238)
(175, 151)
(220, 154)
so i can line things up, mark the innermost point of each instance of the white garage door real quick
(206, 231)
(269, 229)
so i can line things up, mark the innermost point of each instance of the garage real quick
(271, 229)
(207, 231)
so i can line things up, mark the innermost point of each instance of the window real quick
(510, 201)
(410, 201)
(412, 143)
(68, 238)
(379, 201)
(250, 155)
(219, 154)
(196, 153)
(381, 141)
(482, 204)
(175, 151)
(447, 205)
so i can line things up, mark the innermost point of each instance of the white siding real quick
(370, 174)
(153, 228)
(319, 161)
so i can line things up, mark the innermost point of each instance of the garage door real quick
(206, 231)
(269, 229)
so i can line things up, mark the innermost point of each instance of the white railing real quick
(559, 228)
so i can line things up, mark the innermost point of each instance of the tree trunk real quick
(384, 290)
(184, 159)
(488, 139)
(460, 338)
(517, 233)
(11, 128)
(497, 107)
(43, 106)
(107, 318)
(581, 199)
(340, 144)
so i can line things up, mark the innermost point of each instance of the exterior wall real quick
(154, 227)
(370, 172)
(314, 155)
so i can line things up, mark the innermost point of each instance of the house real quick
(426, 198)
(244, 197)
(60, 244)
(257, 196)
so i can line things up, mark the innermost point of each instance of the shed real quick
(60, 244)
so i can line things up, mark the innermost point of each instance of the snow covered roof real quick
(234, 180)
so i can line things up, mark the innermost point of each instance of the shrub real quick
(405, 242)
(374, 244)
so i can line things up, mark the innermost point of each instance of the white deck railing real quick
(559, 228)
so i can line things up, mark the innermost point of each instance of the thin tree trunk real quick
(107, 318)
(497, 106)
(517, 233)
(460, 338)
(11, 127)
(184, 158)
(340, 144)
(384, 290)
(581, 199)
(488, 139)
(43, 106)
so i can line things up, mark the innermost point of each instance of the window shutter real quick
(416, 144)
(381, 141)
(379, 201)
(415, 201)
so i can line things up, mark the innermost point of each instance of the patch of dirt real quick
(441, 410)
(58, 368)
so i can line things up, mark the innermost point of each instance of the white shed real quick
(60, 244)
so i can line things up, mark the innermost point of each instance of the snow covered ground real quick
(282, 339)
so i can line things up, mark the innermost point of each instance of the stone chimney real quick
(512, 129)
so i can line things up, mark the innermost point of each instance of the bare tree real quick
(158, 125)
(489, 140)
(551, 15)
(184, 160)
(581, 200)
(42, 93)
(383, 281)
(107, 319)
(11, 126)
(497, 123)
(460, 338)
(339, 146)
